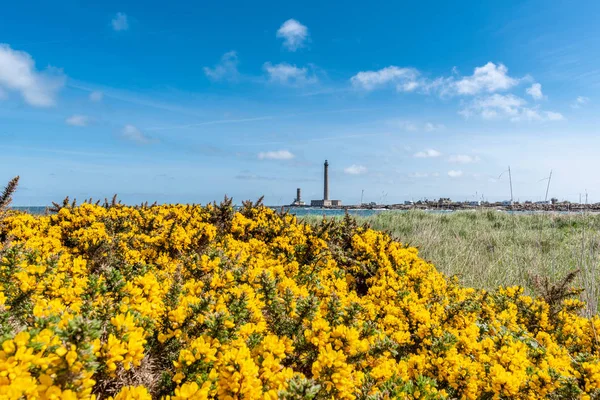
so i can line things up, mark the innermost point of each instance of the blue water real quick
(36, 210)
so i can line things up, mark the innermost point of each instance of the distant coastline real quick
(366, 210)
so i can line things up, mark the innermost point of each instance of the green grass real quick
(486, 249)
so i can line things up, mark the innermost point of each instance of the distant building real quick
(507, 203)
(325, 202)
(408, 203)
(474, 203)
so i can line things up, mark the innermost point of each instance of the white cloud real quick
(132, 133)
(18, 74)
(463, 159)
(454, 173)
(294, 34)
(535, 91)
(405, 79)
(120, 22)
(580, 101)
(430, 127)
(96, 96)
(287, 74)
(226, 69)
(275, 155)
(77, 120)
(355, 169)
(488, 78)
(429, 153)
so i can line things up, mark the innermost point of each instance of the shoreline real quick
(561, 207)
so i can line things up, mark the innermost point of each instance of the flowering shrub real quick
(190, 302)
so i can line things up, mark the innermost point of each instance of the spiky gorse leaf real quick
(184, 301)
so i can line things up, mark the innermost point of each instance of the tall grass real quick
(486, 249)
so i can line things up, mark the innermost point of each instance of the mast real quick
(548, 187)
(510, 180)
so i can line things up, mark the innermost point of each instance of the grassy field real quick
(486, 249)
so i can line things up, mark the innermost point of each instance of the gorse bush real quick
(190, 302)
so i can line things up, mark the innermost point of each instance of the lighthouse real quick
(326, 181)
(326, 202)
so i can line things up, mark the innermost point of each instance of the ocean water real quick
(35, 210)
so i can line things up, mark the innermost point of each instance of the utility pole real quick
(548, 187)
(510, 180)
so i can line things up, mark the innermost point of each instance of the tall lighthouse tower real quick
(326, 181)
(326, 202)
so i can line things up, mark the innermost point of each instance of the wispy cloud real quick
(422, 175)
(213, 122)
(96, 96)
(77, 120)
(431, 127)
(294, 34)
(276, 155)
(554, 116)
(132, 133)
(120, 22)
(429, 153)
(463, 159)
(580, 101)
(455, 173)
(290, 75)
(246, 176)
(134, 98)
(418, 175)
(535, 91)
(226, 69)
(18, 74)
(514, 108)
(403, 125)
(355, 169)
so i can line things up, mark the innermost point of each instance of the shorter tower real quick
(298, 200)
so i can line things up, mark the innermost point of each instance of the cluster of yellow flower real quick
(190, 302)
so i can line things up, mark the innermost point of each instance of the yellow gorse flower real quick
(191, 302)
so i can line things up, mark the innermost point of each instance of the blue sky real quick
(186, 102)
